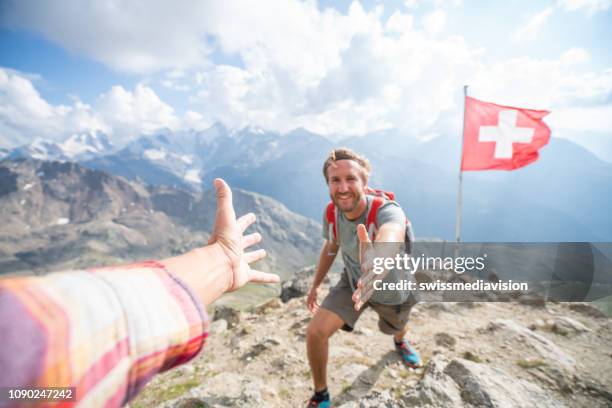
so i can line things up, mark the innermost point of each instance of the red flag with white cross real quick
(497, 137)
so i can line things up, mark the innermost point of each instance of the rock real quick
(364, 332)
(297, 286)
(539, 324)
(566, 326)
(258, 348)
(435, 389)
(191, 403)
(468, 355)
(229, 314)
(587, 310)
(554, 377)
(350, 371)
(373, 399)
(486, 386)
(596, 390)
(218, 326)
(533, 341)
(445, 340)
(185, 370)
(437, 307)
(532, 299)
(274, 303)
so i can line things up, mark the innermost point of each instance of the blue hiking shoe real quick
(409, 355)
(318, 404)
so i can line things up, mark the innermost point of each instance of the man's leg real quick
(398, 336)
(394, 320)
(322, 326)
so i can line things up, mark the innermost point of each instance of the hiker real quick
(108, 331)
(354, 207)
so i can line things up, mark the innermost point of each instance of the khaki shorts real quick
(391, 318)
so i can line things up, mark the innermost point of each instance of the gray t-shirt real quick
(390, 211)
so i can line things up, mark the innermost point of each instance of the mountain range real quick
(564, 196)
(58, 215)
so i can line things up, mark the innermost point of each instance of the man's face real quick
(346, 184)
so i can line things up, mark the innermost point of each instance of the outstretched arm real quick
(108, 331)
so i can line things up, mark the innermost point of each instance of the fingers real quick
(245, 221)
(263, 277)
(365, 288)
(363, 297)
(251, 239)
(362, 234)
(225, 210)
(365, 245)
(253, 256)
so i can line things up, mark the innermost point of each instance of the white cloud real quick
(121, 113)
(131, 36)
(130, 113)
(543, 83)
(329, 72)
(596, 118)
(590, 6)
(575, 56)
(533, 26)
(434, 22)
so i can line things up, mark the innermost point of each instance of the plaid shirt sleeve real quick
(106, 331)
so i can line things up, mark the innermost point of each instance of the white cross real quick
(505, 133)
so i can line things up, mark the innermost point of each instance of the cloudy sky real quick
(128, 67)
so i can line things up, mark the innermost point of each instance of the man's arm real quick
(329, 250)
(391, 232)
(390, 237)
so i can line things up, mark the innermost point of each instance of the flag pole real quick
(459, 197)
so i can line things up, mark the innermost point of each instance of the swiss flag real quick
(497, 137)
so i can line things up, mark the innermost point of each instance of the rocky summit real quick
(475, 355)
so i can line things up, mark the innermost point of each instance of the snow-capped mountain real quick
(77, 147)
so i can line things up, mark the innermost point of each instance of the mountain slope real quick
(476, 354)
(60, 215)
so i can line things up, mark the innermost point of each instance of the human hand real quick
(228, 234)
(311, 300)
(365, 285)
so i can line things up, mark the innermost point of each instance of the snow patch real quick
(28, 186)
(153, 154)
(63, 221)
(193, 176)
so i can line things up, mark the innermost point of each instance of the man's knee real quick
(323, 325)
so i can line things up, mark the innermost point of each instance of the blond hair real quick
(344, 153)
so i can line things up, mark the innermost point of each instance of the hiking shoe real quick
(409, 354)
(318, 404)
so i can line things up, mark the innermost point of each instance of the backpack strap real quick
(330, 214)
(389, 195)
(371, 224)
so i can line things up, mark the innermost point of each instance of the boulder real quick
(297, 286)
(229, 314)
(435, 389)
(523, 337)
(484, 386)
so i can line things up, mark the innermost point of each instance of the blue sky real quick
(333, 67)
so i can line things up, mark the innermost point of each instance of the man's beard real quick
(347, 207)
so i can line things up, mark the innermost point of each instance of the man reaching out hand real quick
(346, 174)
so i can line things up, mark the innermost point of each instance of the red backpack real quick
(379, 199)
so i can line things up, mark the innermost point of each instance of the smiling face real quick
(346, 180)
